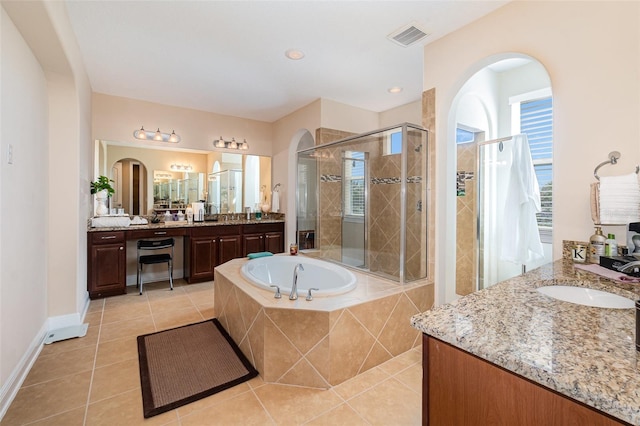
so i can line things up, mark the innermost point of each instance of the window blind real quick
(536, 121)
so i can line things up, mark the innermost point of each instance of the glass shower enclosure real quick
(361, 202)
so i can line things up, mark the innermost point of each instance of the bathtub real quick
(328, 278)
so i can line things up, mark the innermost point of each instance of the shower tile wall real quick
(384, 211)
(384, 203)
(330, 195)
(416, 235)
(466, 228)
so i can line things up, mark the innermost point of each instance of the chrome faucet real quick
(294, 288)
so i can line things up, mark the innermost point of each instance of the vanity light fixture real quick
(232, 144)
(143, 134)
(181, 167)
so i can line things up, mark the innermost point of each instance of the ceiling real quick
(228, 57)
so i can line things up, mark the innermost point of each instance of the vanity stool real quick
(150, 259)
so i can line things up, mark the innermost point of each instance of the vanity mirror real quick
(159, 178)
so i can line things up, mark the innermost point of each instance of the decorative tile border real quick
(330, 178)
(461, 178)
(374, 181)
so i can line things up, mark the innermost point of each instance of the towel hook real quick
(277, 187)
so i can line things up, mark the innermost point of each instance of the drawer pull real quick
(160, 232)
(121, 248)
(110, 237)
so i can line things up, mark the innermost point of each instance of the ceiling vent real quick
(407, 35)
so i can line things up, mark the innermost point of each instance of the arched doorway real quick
(497, 102)
(130, 184)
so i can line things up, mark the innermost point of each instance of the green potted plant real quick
(103, 190)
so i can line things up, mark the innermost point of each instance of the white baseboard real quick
(19, 374)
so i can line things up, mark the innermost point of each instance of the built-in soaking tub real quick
(330, 279)
(322, 342)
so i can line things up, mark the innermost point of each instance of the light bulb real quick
(158, 135)
(142, 134)
(245, 145)
(233, 144)
(173, 137)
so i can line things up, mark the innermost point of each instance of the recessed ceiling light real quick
(394, 89)
(294, 54)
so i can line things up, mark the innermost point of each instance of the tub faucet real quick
(294, 287)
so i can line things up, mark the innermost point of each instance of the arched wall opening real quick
(481, 111)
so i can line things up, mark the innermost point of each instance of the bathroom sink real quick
(587, 296)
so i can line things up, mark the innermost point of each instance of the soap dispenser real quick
(596, 245)
(167, 216)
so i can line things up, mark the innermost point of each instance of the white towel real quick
(520, 234)
(619, 199)
(275, 201)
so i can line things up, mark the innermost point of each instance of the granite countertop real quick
(184, 224)
(583, 352)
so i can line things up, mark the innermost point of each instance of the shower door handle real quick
(419, 205)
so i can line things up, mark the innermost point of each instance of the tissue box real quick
(110, 221)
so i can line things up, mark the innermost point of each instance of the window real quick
(393, 143)
(464, 136)
(354, 183)
(536, 121)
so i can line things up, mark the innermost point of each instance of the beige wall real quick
(47, 117)
(409, 113)
(595, 81)
(286, 134)
(335, 115)
(116, 118)
(23, 233)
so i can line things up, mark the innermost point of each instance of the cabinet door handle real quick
(110, 237)
(160, 232)
(121, 248)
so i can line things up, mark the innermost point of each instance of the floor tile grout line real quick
(262, 405)
(93, 370)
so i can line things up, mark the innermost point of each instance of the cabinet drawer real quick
(262, 228)
(155, 233)
(107, 237)
(215, 230)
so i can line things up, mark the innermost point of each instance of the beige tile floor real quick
(94, 380)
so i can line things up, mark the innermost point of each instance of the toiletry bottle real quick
(611, 246)
(596, 246)
(167, 216)
(180, 216)
(248, 212)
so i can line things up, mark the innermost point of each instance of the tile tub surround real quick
(323, 342)
(582, 352)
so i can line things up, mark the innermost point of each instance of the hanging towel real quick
(595, 203)
(520, 235)
(619, 199)
(275, 201)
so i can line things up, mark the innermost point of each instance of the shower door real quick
(354, 209)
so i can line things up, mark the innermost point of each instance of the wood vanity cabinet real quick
(209, 247)
(263, 237)
(106, 274)
(461, 389)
